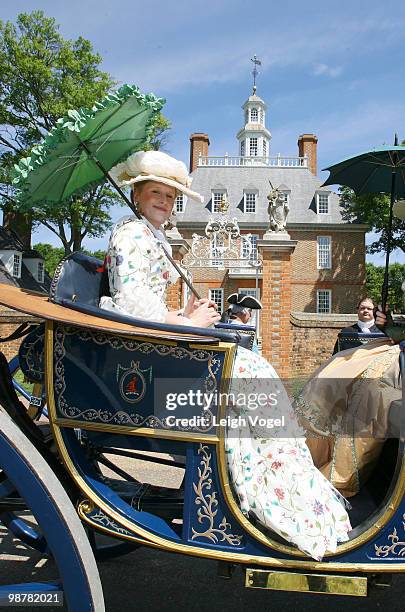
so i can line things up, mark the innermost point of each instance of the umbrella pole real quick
(128, 201)
(384, 292)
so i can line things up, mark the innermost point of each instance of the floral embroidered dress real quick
(274, 477)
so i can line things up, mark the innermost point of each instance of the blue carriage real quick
(106, 378)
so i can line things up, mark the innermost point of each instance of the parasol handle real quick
(128, 201)
(384, 291)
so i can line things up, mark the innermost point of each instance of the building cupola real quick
(254, 137)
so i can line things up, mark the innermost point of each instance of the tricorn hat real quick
(244, 301)
(154, 166)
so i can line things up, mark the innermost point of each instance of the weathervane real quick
(255, 72)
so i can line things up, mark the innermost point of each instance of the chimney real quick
(307, 146)
(199, 144)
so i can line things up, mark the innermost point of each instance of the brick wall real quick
(9, 321)
(313, 339)
(346, 277)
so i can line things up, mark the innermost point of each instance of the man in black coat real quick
(365, 324)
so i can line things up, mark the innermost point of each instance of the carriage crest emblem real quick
(132, 382)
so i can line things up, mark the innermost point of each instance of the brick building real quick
(310, 276)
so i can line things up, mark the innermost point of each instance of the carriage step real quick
(327, 584)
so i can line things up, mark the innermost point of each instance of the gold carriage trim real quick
(206, 498)
(356, 586)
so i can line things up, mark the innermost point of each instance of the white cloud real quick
(324, 69)
(320, 46)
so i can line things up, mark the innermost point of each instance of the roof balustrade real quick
(241, 161)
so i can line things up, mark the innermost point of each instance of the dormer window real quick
(249, 201)
(254, 115)
(322, 203)
(17, 266)
(180, 203)
(40, 272)
(217, 198)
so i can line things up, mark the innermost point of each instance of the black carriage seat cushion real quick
(247, 332)
(77, 284)
(352, 339)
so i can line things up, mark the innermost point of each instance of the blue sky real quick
(332, 68)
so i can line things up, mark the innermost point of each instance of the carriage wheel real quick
(61, 528)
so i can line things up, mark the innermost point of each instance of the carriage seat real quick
(77, 278)
(77, 285)
(353, 339)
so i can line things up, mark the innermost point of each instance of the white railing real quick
(272, 162)
(245, 266)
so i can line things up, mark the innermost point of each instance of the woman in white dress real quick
(274, 477)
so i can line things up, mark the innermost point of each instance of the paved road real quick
(154, 581)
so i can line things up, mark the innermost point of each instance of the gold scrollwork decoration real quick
(207, 499)
(102, 520)
(392, 549)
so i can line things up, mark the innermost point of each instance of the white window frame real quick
(253, 139)
(264, 147)
(321, 251)
(245, 202)
(323, 293)
(180, 203)
(40, 272)
(256, 111)
(242, 148)
(17, 262)
(261, 116)
(215, 201)
(319, 205)
(220, 302)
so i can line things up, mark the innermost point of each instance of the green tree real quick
(42, 76)
(160, 136)
(53, 255)
(396, 276)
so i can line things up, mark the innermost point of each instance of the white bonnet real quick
(154, 166)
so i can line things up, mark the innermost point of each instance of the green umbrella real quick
(377, 171)
(78, 152)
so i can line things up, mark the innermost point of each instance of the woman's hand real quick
(204, 315)
(193, 305)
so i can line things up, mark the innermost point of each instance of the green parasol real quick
(79, 151)
(376, 171)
